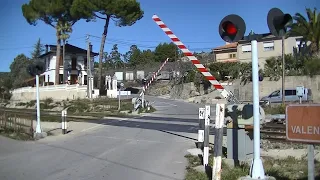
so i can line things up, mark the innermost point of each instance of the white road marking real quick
(128, 139)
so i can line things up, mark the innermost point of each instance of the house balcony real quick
(228, 60)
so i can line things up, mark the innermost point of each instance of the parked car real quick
(290, 96)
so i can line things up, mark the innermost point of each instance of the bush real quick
(31, 103)
(80, 105)
(279, 109)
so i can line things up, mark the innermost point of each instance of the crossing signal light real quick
(278, 22)
(36, 68)
(232, 28)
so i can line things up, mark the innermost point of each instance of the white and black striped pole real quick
(201, 128)
(64, 121)
(218, 140)
(206, 136)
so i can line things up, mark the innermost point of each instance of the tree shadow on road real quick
(135, 123)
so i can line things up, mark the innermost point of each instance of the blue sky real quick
(195, 22)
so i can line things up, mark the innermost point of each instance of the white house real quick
(74, 68)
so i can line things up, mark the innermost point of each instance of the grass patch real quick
(17, 135)
(228, 173)
(285, 169)
(289, 168)
(193, 174)
(152, 109)
(99, 105)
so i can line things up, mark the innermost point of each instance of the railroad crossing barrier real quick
(139, 102)
(224, 93)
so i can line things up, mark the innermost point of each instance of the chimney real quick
(47, 48)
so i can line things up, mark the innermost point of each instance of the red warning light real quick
(229, 28)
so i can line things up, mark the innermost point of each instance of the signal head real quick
(36, 68)
(278, 22)
(232, 28)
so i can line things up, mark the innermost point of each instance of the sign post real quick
(206, 136)
(303, 125)
(64, 121)
(218, 140)
(256, 170)
(121, 85)
(201, 128)
(38, 127)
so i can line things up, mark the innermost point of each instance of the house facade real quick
(226, 53)
(268, 46)
(73, 70)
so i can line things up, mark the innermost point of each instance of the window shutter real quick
(268, 44)
(246, 48)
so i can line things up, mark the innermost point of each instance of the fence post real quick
(15, 123)
(206, 136)
(218, 140)
(5, 119)
(201, 128)
(31, 128)
(64, 121)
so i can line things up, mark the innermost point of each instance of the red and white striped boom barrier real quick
(226, 94)
(151, 80)
(154, 76)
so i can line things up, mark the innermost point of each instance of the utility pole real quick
(89, 88)
(38, 127)
(283, 71)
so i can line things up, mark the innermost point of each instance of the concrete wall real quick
(59, 92)
(266, 87)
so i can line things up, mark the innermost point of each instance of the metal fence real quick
(18, 122)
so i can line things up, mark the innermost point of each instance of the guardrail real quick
(51, 88)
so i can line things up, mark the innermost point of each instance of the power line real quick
(124, 44)
(131, 40)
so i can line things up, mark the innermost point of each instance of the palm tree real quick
(65, 29)
(309, 30)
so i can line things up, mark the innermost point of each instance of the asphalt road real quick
(149, 147)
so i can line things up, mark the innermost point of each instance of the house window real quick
(268, 46)
(233, 55)
(85, 79)
(60, 78)
(48, 60)
(85, 63)
(74, 63)
(298, 41)
(246, 48)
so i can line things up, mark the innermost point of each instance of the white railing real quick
(51, 88)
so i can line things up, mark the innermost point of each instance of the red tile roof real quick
(227, 46)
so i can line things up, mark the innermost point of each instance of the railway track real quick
(274, 132)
